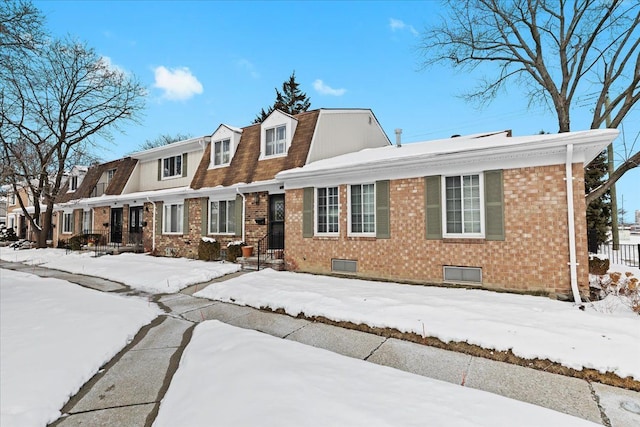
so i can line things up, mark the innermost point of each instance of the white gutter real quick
(573, 265)
(153, 232)
(244, 202)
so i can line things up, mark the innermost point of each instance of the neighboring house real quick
(234, 195)
(78, 208)
(487, 210)
(16, 218)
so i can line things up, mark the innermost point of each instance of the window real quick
(73, 184)
(67, 222)
(222, 152)
(173, 218)
(327, 210)
(276, 140)
(12, 199)
(86, 222)
(222, 217)
(172, 167)
(463, 205)
(110, 174)
(363, 209)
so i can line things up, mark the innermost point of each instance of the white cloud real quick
(324, 89)
(110, 65)
(398, 25)
(177, 84)
(249, 67)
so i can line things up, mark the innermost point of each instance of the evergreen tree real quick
(598, 211)
(291, 100)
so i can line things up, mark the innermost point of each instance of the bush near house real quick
(234, 250)
(624, 285)
(7, 234)
(208, 250)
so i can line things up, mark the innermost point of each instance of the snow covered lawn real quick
(239, 377)
(55, 336)
(532, 327)
(140, 271)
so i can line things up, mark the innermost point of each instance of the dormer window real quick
(73, 183)
(172, 167)
(276, 139)
(110, 174)
(222, 152)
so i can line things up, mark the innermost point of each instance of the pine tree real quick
(291, 100)
(598, 211)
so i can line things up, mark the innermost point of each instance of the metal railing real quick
(270, 246)
(627, 254)
(103, 240)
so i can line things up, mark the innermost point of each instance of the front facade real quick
(489, 211)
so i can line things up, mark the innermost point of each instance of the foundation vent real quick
(462, 274)
(344, 266)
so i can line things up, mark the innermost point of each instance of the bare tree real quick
(52, 107)
(21, 30)
(556, 49)
(163, 139)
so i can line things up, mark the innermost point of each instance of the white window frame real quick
(316, 211)
(110, 174)
(227, 203)
(67, 222)
(229, 150)
(166, 170)
(463, 234)
(13, 199)
(87, 226)
(166, 217)
(350, 231)
(276, 142)
(73, 183)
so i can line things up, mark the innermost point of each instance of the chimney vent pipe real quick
(398, 137)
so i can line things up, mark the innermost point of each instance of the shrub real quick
(598, 266)
(234, 250)
(7, 234)
(208, 250)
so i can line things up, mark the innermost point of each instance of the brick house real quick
(487, 210)
(234, 195)
(80, 208)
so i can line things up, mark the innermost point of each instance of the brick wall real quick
(532, 258)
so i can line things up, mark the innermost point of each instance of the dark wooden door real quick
(276, 221)
(116, 225)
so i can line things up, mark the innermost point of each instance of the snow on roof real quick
(477, 148)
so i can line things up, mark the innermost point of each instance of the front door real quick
(135, 225)
(116, 225)
(276, 221)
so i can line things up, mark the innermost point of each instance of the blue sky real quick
(207, 63)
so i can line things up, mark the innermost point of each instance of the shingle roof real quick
(245, 167)
(123, 168)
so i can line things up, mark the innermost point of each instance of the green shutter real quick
(433, 207)
(382, 210)
(185, 217)
(307, 212)
(239, 217)
(159, 214)
(184, 165)
(493, 205)
(204, 213)
(159, 169)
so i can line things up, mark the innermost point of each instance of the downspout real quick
(573, 265)
(244, 202)
(153, 232)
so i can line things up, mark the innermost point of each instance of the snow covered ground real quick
(55, 336)
(140, 271)
(239, 377)
(532, 327)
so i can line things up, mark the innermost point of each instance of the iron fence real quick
(627, 254)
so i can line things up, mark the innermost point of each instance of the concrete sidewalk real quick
(127, 391)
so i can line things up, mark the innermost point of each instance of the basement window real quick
(462, 274)
(344, 266)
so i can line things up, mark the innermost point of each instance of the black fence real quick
(626, 254)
